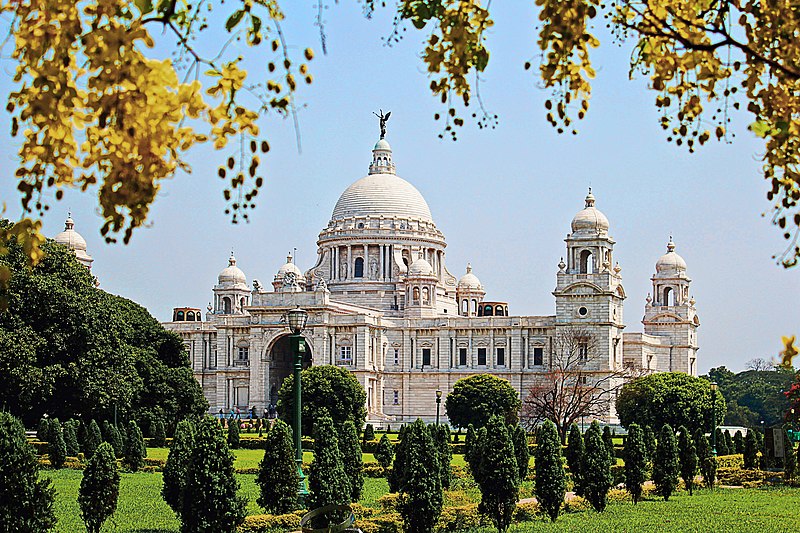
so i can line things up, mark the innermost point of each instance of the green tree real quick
(71, 438)
(441, 438)
(56, 447)
(210, 500)
(99, 490)
(352, 461)
(521, 452)
(608, 440)
(575, 452)
(277, 473)
(635, 454)
(666, 467)
(469, 441)
(550, 483)
(26, 501)
(789, 460)
(738, 442)
(722, 446)
(158, 433)
(325, 387)
(729, 442)
(397, 475)
(687, 456)
(750, 449)
(116, 441)
(135, 451)
(672, 398)
(384, 453)
(233, 434)
(596, 476)
(42, 430)
(754, 394)
(475, 399)
(499, 475)
(93, 439)
(328, 483)
(650, 442)
(707, 460)
(369, 433)
(421, 496)
(177, 466)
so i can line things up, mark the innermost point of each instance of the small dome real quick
(382, 144)
(420, 269)
(232, 274)
(71, 238)
(590, 218)
(670, 262)
(469, 280)
(289, 267)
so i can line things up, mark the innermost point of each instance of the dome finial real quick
(469, 268)
(232, 259)
(670, 245)
(590, 198)
(289, 257)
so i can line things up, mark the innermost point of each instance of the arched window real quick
(669, 296)
(358, 271)
(488, 311)
(506, 309)
(242, 303)
(226, 305)
(426, 297)
(587, 262)
(464, 306)
(480, 310)
(498, 311)
(198, 317)
(190, 316)
(474, 306)
(415, 297)
(179, 316)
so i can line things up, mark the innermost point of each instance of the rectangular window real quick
(396, 357)
(243, 354)
(462, 357)
(345, 356)
(538, 356)
(481, 356)
(426, 357)
(396, 398)
(501, 357)
(583, 350)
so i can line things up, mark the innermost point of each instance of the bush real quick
(93, 439)
(596, 469)
(211, 503)
(42, 428)
(738, 442)
(498, 478)
(750, 449)
(277, 475)
(369, 433)
(708, 463)
(395, 477)
(520, 439)
(177, 466)
(116, 441)
(351, 459)
(789, 459)
(441, 438)
(420, 483)
(608, 440)
(475, 399)
(70, 431)
(25, 500)
(384, 454)
(327, 482)
(99, 489)
(56, 448)
(550, 481)
(267, 523)
(687, 455)
(233, 434)
(665, 464)
(134, 448)
(157, 433)
(575, 453)
(635, 462)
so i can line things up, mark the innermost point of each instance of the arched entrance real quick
(281, 365)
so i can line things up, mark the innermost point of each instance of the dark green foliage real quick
(707, 460)
(93, 439)
(520, 439)
(421, 496)
(135, 451)
(551, 483)
(499, 476)
(260, 424)
(158, 433)
(177, 466)
(72, 348)
(105, 431)
(70, 430)
(477, 398)
(441, 438)
(396, 476)
(789, 460)
(722, 447)
(750, 449)
(325, 387)
(729, 442)
(123, 435)
(327, 482)
(369, 433)
(596, 469)
(350, 449)
(26, 501)
(99, 490)
(210, 500)
(754, 395)
(384, 453)
(277, 474)
(635, 455)
(666, 467)
(457, 436)
(233, 434)
(608, 440)
(650, 442)
(116, 441)
(42, 429)
(575, 453)
(56, 448)
(83, 435)
(469, 440)
(687, 456)
(673, 398)
(738, 442)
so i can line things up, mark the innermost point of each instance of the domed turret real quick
(289, 278)
(231, 294)
(469, 293)
(421, 269)
(590, 219)
(469, 280)
(75, 242)
(232, 275)
(670, 263)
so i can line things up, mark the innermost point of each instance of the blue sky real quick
(503, 197)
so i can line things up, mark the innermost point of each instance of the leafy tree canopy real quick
(475, 399)
(754, 395)
(70, 349)
(672, 398)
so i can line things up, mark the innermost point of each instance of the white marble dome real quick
(232, 275)
(384, 195)
(289, 267)
(71, 238)
(469, 280)
(590, 218)
(670, 262)
(420, 269)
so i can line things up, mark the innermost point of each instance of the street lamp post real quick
(296, 318)
(438, 403)
(714, 418)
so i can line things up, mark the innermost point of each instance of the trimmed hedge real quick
(745, 478)
(267, 523)
(731, 461)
